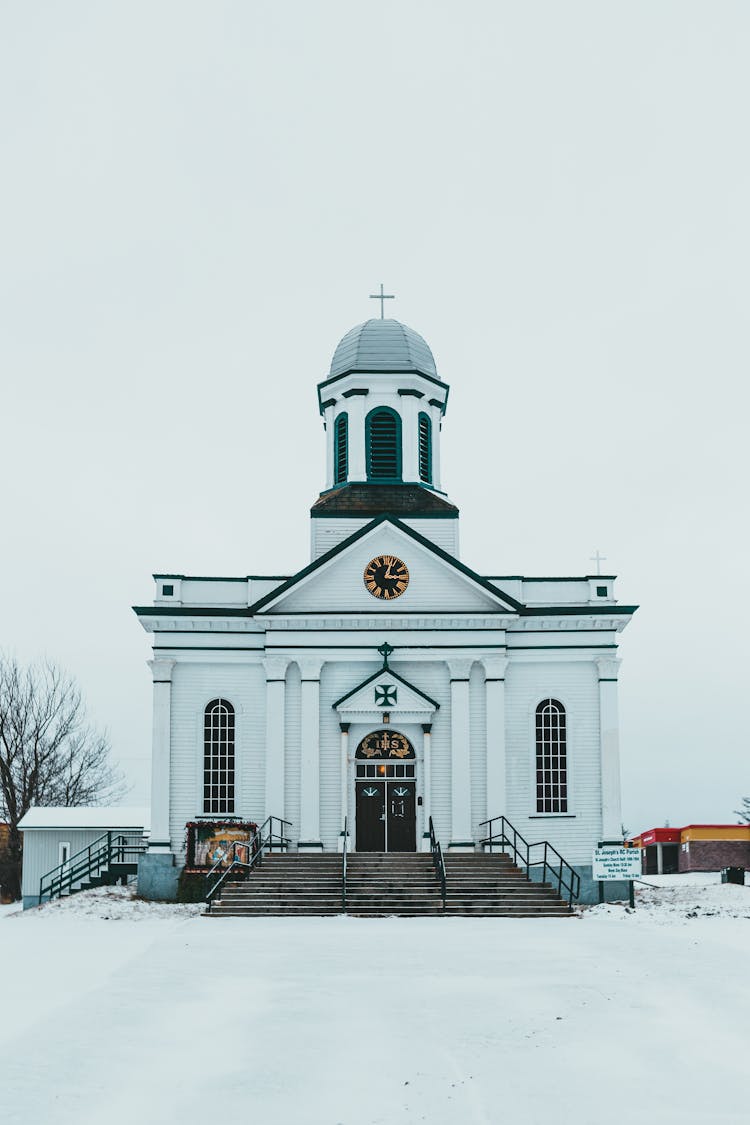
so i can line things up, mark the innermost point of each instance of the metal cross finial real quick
(385, 651)
(598, 559)
(382, 297)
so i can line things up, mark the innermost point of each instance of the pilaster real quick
(609, 736)
(275, 668)
(426, 784)
(344, 790)
(309, 832)
(461, 834)
(161, 670)
(494, 686)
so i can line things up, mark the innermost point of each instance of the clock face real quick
(386, 577)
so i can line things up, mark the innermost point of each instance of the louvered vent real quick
(425, 450)
(383, 446)
(341, 453)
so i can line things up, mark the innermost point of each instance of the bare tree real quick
(49, 752)
(744, 812)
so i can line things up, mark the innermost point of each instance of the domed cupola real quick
(383, 346)
(382, 405)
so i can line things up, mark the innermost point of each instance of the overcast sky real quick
(195, 202)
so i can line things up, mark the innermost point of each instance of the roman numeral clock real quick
(386, 576)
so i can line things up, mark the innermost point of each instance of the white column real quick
(426, 784)
(330, 452)
(609, 736)
(309, 830)
(161, 671)
(494, 686)
(275, 667)
(344, 791)
(436, 416)
(409, 438)
(461, 835)
(356, 408)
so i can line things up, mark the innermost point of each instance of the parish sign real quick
(617, 863)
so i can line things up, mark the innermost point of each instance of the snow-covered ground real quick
(120, 1011)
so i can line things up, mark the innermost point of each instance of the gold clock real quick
(386, 577)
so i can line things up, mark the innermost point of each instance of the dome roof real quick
(382, 345)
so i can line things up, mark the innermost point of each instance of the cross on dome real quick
(382, 297)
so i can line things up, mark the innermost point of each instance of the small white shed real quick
(53, 836)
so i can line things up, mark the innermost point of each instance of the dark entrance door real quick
(386, 816)
(371, 816)
(401, 825)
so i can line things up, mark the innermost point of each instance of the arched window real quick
(425, 448)
(551, 758)
(383, 434)
(341, 449)
(218, 757)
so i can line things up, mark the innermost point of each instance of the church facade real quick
(386, 682)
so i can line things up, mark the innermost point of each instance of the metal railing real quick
(270, 835)
(344, 866)
(509, 837)
(438, 861)
(108, 849)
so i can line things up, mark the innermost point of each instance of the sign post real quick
(613, 861)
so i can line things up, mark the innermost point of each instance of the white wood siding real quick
(292, 748)
(575, 685)
(478, 747)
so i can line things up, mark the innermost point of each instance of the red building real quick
(696, 847)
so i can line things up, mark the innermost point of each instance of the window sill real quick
(552, 816)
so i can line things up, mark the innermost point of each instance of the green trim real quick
(537, 648)
(411, 515)
(586, 610)
(219, 578)
(388, 412)
(425, 475)
(437, 402)
(523, 578)
(188, 611)
(608, 679)
(207, 648)
(341, 448)
(385, 371)
(409, 391)
(498, 595)
(328, 402)
(378, 675)
(355, 391)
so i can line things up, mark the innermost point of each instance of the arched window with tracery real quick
(218, 757)
(383, 439)
(425, 448)
(341, 449)
(551, 758)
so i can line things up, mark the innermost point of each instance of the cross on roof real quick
(598, 559)
(382, 297)
(385, 651)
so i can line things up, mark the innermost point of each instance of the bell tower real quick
(382, 406)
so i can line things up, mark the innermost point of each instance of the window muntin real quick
(424, 433)
(341, 449)
(383, 433)
(551, 758)
(218, 757)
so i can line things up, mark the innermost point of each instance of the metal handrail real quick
(438, 861)
(522, 851)
(343, 868)
(100, 853)
(263, 839)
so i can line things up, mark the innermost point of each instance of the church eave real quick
(383, 371)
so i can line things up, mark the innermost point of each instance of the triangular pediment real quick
(437, 582)
(385, 691)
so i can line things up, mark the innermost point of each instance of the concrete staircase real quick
(381, 884)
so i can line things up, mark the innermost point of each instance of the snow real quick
(120, 1011)
(85, 816)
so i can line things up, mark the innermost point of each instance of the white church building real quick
(385, 682)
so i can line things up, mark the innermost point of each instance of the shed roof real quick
(85, 816)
